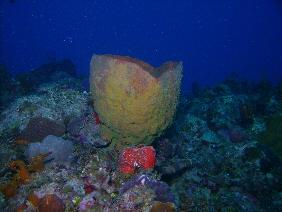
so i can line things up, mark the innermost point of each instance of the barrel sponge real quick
(135, 101)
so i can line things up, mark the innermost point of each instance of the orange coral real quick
(20, 141)
(33, 199)
(37, 162)
(22, 171)
(163, 207)
(51, 202)
(10, 189)
(22, 208)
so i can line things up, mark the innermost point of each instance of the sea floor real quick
(222, 153)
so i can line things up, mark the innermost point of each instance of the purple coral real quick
(161, 189)
(86, 131)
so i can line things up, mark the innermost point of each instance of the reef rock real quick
(39, 127)
(135, 101)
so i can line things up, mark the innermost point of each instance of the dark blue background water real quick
(212, 37)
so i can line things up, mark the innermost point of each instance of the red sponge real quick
(132, 158)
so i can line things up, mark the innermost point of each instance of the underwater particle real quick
(51, 202)
(132, 158)
(135, 101)
(163, 207)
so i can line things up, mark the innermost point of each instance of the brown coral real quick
(38, 128)
(20, 141)
(33, 199)
(23, 175)
(22, 171)
(163, 207)
(10, 189)
(51, 202)
(37, 162)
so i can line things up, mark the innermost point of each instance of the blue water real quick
(212, 38)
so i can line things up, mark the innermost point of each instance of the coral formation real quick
(86, 130)
(10, 189)
(37, 162)
(51, 202)
(216, 156)
(33, 199)
(161, 190)
(135, 102)
(58, 149)
(23, 174)
(22, 171)
(39, 127)
(132, 158)
(163, 207)
(58, 102)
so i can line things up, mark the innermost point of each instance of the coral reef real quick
(58, 102)
(213, 159)
(135, 102)
(219, 154)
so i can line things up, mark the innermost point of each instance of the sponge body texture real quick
(135, 101)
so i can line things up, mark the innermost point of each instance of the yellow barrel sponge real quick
(135, 101)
